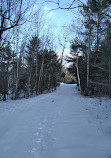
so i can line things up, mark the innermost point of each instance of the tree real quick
(106, 48)
(88, 24)
(5, 66)
(48, 67)
(10, 15)
(78, 60)
(33, 50)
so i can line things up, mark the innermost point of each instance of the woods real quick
(92, 68)
(35, 72)
(55, 78)
(29, 63)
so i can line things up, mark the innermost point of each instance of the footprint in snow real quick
(40, 126)
(38, 141)
(37, 134)
(33, 150)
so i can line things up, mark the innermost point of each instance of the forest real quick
(29, 64)
(91, 52)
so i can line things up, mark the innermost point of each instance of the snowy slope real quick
(62, 124)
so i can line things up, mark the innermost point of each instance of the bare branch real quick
(101, 68)
(7, 20)
(72, 4)
(98, 83)
(49, 2)
(70, 7)
(107, 15)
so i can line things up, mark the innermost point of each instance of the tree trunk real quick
(88, 54)
(109, 78)
(98, 25)
(78, 75)
(49, 82)
(17, 79)
(41, 74)
(4, 97)
(17, 72)
(36, 73)
(29, 81)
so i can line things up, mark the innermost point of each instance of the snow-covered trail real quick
(76, 135)
(61, 124)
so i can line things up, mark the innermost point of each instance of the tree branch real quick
(70, 7)
(2, 28)
(99, 67)
(98, 83)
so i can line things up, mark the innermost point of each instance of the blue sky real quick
(61, 18)
(59, 21)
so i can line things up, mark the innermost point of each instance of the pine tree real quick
(5, 67)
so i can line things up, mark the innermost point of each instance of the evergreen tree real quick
(5, 67)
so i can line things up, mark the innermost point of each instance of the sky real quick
(60, 22)
(58, 19)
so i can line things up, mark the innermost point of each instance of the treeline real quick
(34, 72)
(28, 63)
(91, 51)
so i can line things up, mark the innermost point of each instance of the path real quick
(55, 125)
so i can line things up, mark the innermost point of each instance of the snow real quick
(62, 124)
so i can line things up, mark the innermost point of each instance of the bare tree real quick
(38, 24)
(63, 47)
(78, 74)
(10, 13)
